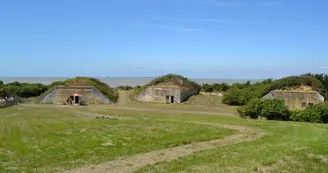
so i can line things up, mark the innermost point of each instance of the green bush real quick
(122, 87)
(274, 109)
(23, 90)
(251, 109)
(222, 87)
(270, 109)
(315, 114)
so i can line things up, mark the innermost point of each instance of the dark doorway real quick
(172, 99)
(77, 99)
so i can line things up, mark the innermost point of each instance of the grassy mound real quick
(172, 79)
(86, 81)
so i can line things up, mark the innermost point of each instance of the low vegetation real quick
(23, 90)
(270, 109)
(216, 87)
(124, 88)
(276, 110)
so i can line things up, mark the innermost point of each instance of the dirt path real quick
(133, 163)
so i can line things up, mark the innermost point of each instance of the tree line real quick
(22, 90)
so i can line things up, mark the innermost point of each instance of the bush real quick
(274, 109)
(315, 114)
(126, 88)
(251, 109)
(270, 109)
(23, 90)
(223, 87)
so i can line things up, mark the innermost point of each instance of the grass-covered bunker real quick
(77, 90)
(296, 99)
(167, 89)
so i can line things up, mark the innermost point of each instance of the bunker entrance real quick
(172, 99)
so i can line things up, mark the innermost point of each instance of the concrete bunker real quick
(74, 95)
(296, 99)
(168, 89)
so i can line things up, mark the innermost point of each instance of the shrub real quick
(309, 115)
(222, 87)
(315, 114)
(270, 109)
(251, 109)
(274, 109)
(126, 88)
(24, 90)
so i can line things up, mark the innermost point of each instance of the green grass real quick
(45, 139)
(286, 147)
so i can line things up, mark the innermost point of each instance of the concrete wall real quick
(158, 94)
(186, 94)
(294, 99)
(59, 95)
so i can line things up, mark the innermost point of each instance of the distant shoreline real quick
(118, 81)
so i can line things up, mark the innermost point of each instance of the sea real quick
(117, 81)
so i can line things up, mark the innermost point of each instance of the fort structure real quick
(74, 95)
(79, 91)
(168, 89)
(297, 99)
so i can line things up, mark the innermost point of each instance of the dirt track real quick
(133, 163)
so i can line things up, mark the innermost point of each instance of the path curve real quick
(132, 163)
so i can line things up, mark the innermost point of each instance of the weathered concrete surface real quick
(295, 100)
(59, 95)
(159, 94)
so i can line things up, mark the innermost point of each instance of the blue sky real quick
(240, 39)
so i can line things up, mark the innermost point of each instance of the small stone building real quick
(170, 88)
(75, 94)
(166, 94)
(297, 99)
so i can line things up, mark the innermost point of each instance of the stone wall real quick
(59, 95)
(158, 94)
(185, 95)
(296, 100)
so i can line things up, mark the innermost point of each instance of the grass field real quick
(49, 138)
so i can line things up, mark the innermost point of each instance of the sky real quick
(231, 39)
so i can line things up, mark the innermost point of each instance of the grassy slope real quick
(286, 147)
(210, 102)
(46, 139)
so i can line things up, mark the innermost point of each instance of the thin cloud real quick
(272, 3)
(168, 27)
(218, 2)
(209, 20)
(324, 67)
(181, 29)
